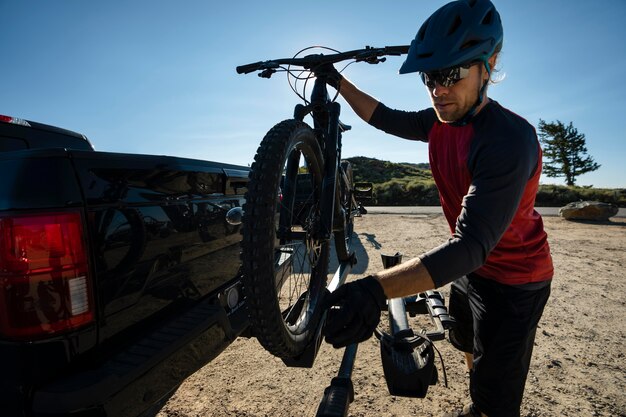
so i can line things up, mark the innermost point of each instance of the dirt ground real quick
(579, 360)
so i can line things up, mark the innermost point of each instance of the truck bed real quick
(163, 257)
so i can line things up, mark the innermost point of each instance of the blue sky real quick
(158, 77)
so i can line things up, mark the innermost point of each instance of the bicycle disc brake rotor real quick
(313, 246)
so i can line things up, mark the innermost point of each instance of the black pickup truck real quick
(119, 273)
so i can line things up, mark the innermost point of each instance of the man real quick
(486, 162)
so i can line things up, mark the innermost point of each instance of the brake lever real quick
(376, 60)
(266, 73)
(372, 59)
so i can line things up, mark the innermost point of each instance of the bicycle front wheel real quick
(285, 266)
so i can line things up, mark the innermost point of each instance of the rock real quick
(588, 210)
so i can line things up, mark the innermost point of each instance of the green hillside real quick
(407, 184)
(396, 184)
(378, 172)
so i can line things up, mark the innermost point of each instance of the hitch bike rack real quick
(408, 358)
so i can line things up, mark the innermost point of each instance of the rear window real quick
(8, 144)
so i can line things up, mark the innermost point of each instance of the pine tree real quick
(564, 151)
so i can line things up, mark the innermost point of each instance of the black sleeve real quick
(413, 125)
(500, 167)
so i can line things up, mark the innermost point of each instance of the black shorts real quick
(497, 324)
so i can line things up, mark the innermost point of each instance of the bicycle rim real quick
(285, 266)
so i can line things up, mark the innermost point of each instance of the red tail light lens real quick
(14, 120)
(44, 278)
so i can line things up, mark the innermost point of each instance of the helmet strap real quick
(481, 94)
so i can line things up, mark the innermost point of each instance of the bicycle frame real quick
(325, 114)
(329, 208)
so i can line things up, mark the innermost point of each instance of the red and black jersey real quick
(487, 173)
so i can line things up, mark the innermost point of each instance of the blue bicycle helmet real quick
(458, 33)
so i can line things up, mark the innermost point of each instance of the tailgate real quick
(159, 232)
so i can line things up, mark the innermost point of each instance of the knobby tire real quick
(284, 265)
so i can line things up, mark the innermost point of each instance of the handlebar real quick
(368, 54)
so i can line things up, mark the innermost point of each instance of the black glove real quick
(360, 303)
(330, 74)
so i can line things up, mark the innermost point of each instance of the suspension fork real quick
(329, 182)
(326, 123)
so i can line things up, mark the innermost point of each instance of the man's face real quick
(453, 102)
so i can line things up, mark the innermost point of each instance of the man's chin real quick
(446, 118)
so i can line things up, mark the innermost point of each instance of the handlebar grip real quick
(248, 68)
(397, 50)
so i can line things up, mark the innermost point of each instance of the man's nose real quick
(439, 90)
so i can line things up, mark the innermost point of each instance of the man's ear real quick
(492, 64)
(492, 61)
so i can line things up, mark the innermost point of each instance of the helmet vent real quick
(488, 18)
(469, 44)
(422, 32)
(454, 26)
(472, 3)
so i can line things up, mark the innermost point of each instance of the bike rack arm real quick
(306, 359)
(397, 315)
(340, 393)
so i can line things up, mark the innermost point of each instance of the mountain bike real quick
(300, 203)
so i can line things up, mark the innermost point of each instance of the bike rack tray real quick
(408, 358)
(431, 303)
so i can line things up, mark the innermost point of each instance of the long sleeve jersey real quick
(487, 173)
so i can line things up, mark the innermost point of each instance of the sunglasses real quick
(447, 77)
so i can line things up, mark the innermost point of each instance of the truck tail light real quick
(45, 287)
(14, 120)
